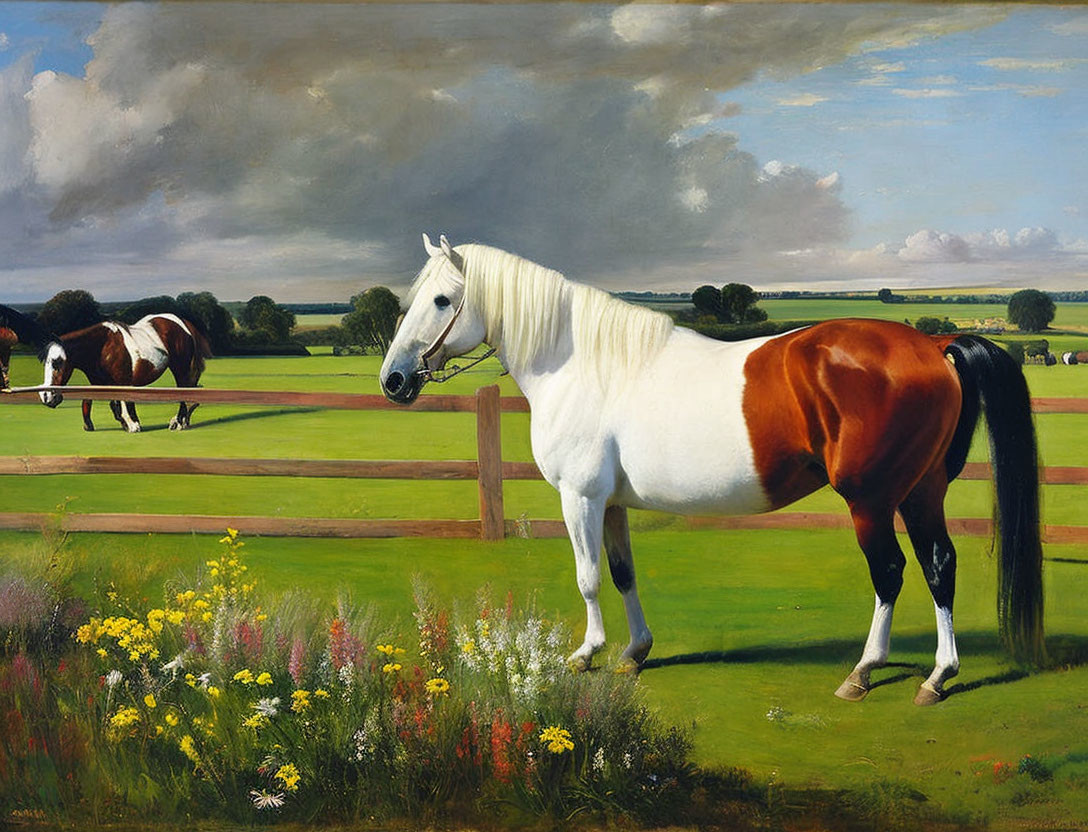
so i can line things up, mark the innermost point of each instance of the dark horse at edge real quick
(17, 328)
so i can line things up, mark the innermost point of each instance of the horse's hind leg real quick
(584, 517)
(617, 545)
(87, 423)
(876, 535)
(129, 418)
(181, 421)
(923, 514)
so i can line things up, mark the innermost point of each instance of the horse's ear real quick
(431, 249)
(454, 257)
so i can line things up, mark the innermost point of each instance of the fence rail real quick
(488, 469)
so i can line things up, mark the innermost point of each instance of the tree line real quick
(261, 325)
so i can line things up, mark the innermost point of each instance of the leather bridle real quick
(437, 374)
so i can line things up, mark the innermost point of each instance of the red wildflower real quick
(502, 733)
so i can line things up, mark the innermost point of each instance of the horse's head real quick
(438, 325)
(58, 369)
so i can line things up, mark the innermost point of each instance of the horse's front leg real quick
(584, 517)
(617, 545)
(87, 423)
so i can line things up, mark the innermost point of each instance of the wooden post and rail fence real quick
(488, 469)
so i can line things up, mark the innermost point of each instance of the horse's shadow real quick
(236, 417)
(1064, 650)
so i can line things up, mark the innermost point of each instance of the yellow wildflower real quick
(175, 616)
(213, 691)
(101, 653)
(124, 718)
(289, 776)
(437, 685)
(264, 678)
(557, 739)
(188, 748)
(256, 721)
(300, 701)
(390, 667)
(244, 676)
(149, 700)
(321, 693)
(171, 719)
(469, 646)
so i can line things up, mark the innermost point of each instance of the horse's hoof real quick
(927, 695)
(854, 689)
(89, 428)
(133, 429)
(636, 653)
(579, 664)
(174, 423)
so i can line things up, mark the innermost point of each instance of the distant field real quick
(305, 322)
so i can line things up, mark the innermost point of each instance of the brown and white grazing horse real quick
(136, 355)
(17, 328)
(628, 411)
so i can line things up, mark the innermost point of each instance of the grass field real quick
(756, 628)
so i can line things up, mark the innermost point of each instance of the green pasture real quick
(754, 629)
(1069, 315)
(317, 321)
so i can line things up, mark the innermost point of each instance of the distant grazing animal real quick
(136, 355)
(16, 328)
(630, 411)
(1069, 358)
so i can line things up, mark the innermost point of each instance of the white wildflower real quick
(598, 760)
(203, 679)
(113, 677)
(175, 665)
(267, 706)
(264, 799)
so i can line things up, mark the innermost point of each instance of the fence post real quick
(489, 461)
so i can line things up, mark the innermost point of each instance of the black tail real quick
(202, 348)
(987, 373)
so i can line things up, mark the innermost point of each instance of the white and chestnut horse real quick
(136, 355)
(628, 411)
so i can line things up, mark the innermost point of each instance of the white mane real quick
(524, 307)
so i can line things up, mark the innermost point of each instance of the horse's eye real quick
(441, 301)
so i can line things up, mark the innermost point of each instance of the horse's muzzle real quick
(401, 389)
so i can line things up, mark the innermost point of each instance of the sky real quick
(299, 151)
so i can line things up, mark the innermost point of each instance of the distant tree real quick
(205, 310)
(373, 318)
(708, 300)
(1031, 310)
(935, 326)
(157, 305)
(734, 303)
(1016, 350)
(264, 315)
(1036, 348)
(69, 310)
(739, 304)
(888, 296)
